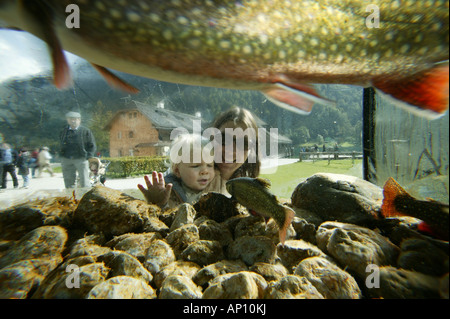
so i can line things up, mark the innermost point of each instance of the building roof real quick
(161, 118)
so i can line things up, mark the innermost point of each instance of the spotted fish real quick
(254, 194)
(279, 47)
(397, 202)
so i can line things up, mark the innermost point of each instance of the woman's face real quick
(232, 158)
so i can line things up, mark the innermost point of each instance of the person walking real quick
(9, 157)
(77, 146)
(23, 162)
(34, 162)
(44, 161)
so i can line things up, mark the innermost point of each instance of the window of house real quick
(119, 135)
(130, 134)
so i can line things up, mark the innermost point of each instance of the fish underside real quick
(277, 47)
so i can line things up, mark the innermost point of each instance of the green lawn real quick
(287, 177)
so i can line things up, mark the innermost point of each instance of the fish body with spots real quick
(254, 194)
(277, 47)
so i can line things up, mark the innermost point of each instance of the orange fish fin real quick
(61, 70)
(39, 17)
(296, 97)
(425, 228)
(435, 232)
(391, 190)
(426, 93)
(114, 81)
(290, 214)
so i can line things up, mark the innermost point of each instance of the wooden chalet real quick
(144, 130)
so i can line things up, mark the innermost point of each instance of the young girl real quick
(186, 180)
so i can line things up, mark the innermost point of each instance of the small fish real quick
(434, 215)
(276, 47)
(254, 194)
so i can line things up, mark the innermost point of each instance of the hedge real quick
(120, 167)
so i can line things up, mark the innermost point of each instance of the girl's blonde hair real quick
(243, 117)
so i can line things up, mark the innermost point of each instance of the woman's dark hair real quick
(243, 117)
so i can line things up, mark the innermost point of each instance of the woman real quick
(232, 163)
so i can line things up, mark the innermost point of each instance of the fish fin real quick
(290, 214)
(39, 18)
(263, 182)
(61, 70)
(295, 97)
(425, 94)
(435, 232)
(425, 228)
(114, 81)
(391, 190)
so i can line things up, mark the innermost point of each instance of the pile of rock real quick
(111, 245)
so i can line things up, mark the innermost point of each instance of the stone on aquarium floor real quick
(112, 245)
(122, 287)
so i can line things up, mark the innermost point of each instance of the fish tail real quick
(391, 191)
(425, 93)
(289, 216)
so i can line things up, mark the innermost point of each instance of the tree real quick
(101, 115)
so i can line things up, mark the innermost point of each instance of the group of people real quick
(184, 181)
(187, 180)
(25, 161)
(77, 146)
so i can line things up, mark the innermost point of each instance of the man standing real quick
(8, 159)
(77, 146)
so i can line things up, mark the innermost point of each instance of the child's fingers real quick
(142, 189)
(147, 181)
(161, 179)
(155, 177)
